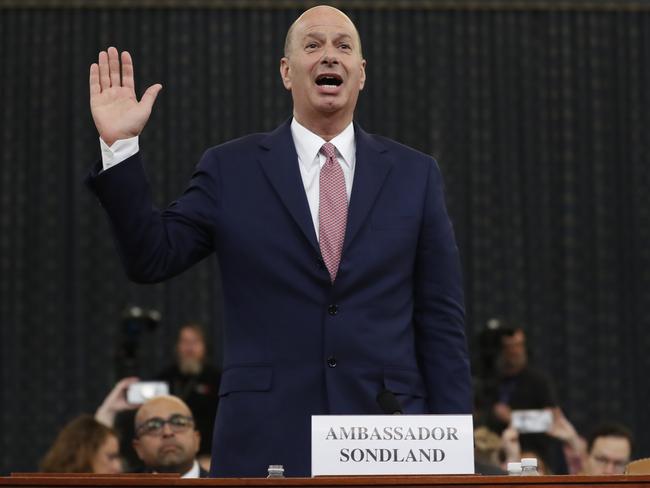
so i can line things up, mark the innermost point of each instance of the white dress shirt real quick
(120, 150)
(194, 471)
(310, 160)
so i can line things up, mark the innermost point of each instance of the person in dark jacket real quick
(166, 439)
(193, 379)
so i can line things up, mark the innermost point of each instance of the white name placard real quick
(391, 444)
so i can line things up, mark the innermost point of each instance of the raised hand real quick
(564, 430)
(115, 402)
(113, 104)
(510, 444)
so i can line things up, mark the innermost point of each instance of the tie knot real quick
(329, 150)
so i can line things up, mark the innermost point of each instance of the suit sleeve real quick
(439, 313)
(157, 244)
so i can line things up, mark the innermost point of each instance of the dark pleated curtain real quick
(538, 117)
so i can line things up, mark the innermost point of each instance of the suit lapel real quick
(372, 167)
(280, 164)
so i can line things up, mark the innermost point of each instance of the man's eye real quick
(311, 45)
(345, 46)
(153, 424)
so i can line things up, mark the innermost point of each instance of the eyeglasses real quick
(154, 426)
(619, 466)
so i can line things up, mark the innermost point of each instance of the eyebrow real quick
(320, 36)
(159, 417)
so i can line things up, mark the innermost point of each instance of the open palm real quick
(113, 104)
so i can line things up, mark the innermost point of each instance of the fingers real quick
(95, 89)
(107, 73)
(114, 66)
(110, 73)
(150, 95)
(122, 386)
(109, 69)
(127, 71)
(124, 383)
(104, 78)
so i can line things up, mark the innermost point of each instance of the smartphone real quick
(142, 391)
(532, 421)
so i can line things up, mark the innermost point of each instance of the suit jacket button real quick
(331, 362)
(333, 309)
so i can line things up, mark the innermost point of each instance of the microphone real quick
(388, 402)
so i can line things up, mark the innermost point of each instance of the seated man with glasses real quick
(608, 450)
(166, 439)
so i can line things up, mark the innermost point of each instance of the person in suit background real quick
(340, 269)
(609, 449)
(166, 438)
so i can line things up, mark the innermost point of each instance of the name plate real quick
(391, 444)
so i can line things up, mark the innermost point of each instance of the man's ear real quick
(136, 446)
(285, 73)
(362, 80)
(197, 441)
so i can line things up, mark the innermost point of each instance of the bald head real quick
(311, 18)
(165, 437)
(165, 404)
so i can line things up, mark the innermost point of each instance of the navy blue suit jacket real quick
(296, 345)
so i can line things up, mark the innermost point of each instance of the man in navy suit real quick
(340, 270)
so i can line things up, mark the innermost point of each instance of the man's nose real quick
(167, 430)
(329, 56)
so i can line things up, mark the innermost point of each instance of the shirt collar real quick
(194, 471)
(308, 144)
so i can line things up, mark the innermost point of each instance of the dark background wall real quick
(538, 113)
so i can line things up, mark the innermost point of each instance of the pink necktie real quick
(332, 210)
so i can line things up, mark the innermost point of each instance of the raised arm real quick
(115, 402)
(115, 109)
(154, 245)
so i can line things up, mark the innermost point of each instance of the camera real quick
(135, 322)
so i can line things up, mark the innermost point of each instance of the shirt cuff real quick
(120, 150)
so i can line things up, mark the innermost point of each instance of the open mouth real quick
(329, 80)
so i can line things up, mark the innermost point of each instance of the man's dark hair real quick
(507, 329)
(490, 344)
(610, 429)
